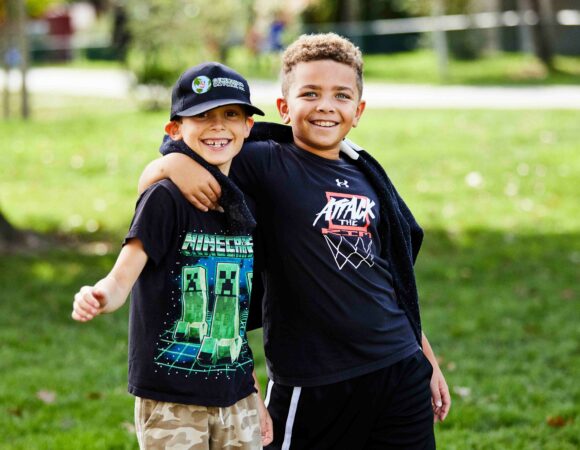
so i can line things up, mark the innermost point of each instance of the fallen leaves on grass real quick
(94, 395)
(558, 421)
(567, 294)
(16, 411)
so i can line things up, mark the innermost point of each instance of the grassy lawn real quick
(496, 192)
(496, 69)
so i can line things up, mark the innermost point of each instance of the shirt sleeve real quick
(154, 222)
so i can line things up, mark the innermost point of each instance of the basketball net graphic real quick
(348, 217)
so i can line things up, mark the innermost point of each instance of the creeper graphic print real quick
(192, 326)
(249, 281)
(224, 342)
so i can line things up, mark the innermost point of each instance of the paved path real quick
(117, 84)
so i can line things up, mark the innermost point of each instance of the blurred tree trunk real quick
(14, 50)
(542, 36)
(349, 10)
(121, 36)
(5, 89)
(22, 43)
(4, 47)
(440, 40)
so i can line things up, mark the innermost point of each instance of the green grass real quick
(494, 69)
(496, 192)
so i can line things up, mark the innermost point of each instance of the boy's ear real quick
(249, 125)
(173, 130)
(359, 110)
(282, 106)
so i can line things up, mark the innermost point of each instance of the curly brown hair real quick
(316, 47)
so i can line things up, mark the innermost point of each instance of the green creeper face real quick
(227, 282)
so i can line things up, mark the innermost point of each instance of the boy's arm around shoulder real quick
(111, 292)
(196, 184)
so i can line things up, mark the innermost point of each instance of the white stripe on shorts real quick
(268, 392)
(290, 419)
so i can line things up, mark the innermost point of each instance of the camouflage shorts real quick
(163, 425)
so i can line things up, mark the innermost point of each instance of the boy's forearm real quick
(428, 351)
(174, 166)
(119, 282)
(116, 294)
(153, 172)
(257, 383)
(195, 182)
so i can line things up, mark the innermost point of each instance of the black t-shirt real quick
(189, 307)
(330, 311)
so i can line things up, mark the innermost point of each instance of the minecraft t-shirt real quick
(189, 307)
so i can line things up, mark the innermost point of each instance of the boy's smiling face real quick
(216, 135)
(322, 105)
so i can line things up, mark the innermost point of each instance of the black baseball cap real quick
(207, 86)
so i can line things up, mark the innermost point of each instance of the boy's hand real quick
(196, 184)
(265, 424)
(440, 395)
(89, 302)
(110, 293)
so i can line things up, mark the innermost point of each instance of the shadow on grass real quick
(501, 311)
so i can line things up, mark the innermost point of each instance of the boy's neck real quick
(332, 154)
(225, 170)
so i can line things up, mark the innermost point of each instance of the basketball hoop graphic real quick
(348, 218)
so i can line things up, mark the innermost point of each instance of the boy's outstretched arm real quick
(196, 184)
(265, 420)
(110, 293)
(439, 389)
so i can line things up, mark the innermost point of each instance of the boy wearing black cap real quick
(190, 366)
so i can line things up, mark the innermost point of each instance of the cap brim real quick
(203, 107)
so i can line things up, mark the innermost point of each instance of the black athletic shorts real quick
(383, 410)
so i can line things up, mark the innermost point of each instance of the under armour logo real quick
(343, 183)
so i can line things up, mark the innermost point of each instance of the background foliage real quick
(192, 31)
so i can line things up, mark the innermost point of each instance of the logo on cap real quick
(201, 84)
